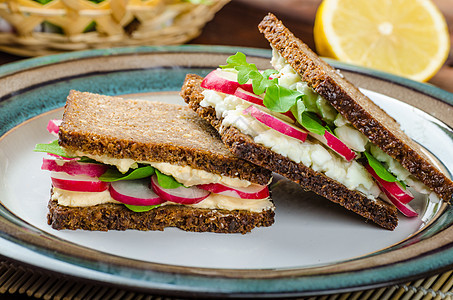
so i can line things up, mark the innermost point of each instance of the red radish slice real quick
(53, 126)
(181, 195)
(335, 144)
(258, 100)
(249, 97)
(277, 124)
(254, 191)
(134, 192)
(405, 209)
(224, 82)
(73, 167)
(79, 183)
(394, 189)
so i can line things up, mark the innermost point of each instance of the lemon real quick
(404, 37)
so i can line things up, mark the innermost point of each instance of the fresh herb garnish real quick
(277, 98)
(166, 181)
(52, 148)
(380, 170)
(137, 208)
(112, 174)
(281, 99)
(246, 72)
(312, 123)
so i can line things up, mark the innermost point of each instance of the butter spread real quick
(213, 201)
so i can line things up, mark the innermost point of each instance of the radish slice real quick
(254, 191)
(53, 126)
(181, 195)
(73, 167)
(405, 209)
(224, 82)
(277, 124)
(258, 100)
(134, 192)
(391, 189)
(79, 183)
(249, 97)
(335, 144)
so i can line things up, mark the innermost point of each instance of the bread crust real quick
(149, 131)
(364, 115)
(243, 146)
(104, 217)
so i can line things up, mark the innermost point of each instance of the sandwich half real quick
(135, 164)
(305, 121)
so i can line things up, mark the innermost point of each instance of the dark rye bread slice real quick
(243, 146)
(149, 131)
(367, 117)
(111, 216)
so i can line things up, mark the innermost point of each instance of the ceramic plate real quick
(314, 246)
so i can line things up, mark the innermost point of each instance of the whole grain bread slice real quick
(243, 146)
(148, 131)
(364, 115)
(110, 216)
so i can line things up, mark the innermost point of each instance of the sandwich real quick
(306, 122)
(135, 164)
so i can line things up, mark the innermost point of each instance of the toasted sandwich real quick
(305, 121)
(135, 164)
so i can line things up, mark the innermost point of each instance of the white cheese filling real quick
(183, 174)
(289, 78)
(310, 153)
(213, 201)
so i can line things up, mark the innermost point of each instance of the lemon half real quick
(404, 37)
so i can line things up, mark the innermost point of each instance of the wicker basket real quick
(29, 28)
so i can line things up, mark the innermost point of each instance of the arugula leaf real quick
(277, 98)
(380, 170)
(137, 208)
(167, 182)
(248, 72)
(52, 148)
(268, 72)
(308, 120)
(280, 99)
(239, 59)
(312, 123)
(112, 174)
(245, 74)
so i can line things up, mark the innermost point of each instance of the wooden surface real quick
(236, 25)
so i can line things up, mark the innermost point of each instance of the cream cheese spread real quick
(310, 153)
(213, 201)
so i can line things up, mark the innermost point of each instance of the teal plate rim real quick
(209, 283)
